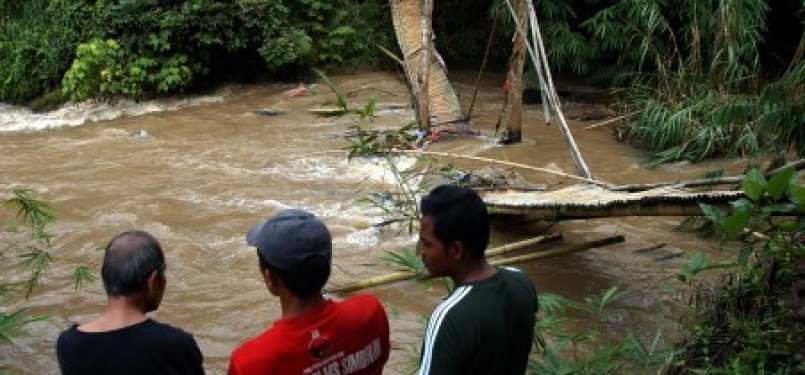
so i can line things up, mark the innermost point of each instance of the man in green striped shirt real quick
(485, 326)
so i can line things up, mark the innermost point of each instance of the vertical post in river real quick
(511, 114)
(423, 112)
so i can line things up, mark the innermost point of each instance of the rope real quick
(483, 66)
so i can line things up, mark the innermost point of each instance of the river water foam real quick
(17, 118)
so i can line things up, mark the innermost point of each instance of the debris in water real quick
(268, 112)
(298, 91)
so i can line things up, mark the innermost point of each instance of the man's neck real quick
(293, 306)
(120, 312)
(475, 270)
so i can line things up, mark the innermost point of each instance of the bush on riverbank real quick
(141, 48)
(37, 38)
(754, 322)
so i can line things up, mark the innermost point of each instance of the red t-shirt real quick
(337, 338)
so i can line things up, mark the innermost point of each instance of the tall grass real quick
(698, 85)
(697, 120)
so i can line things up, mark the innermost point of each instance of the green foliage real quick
(362, 142)
(324, 21)
(168, 46)
(37, 41)
(103, 70)
(750, 325)
(33, 217)
(25, 257)
(11, 325)
(691, 68)
(406, 260)
(565, 345)
(82, 275)
(700, 95)
(694, 120)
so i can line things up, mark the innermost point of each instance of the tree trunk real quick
(423, 105)
(443, 104)
(511, 115)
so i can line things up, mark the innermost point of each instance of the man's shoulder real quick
(260, 350)
(360, 310)
(67, 335)
(165, 328)
(517, 276)
(363, 300)
(361, 304)
(164, 332)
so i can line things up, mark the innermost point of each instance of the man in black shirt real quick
(485, 326)
(123, 339)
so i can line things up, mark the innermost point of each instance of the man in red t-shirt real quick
(314, 336)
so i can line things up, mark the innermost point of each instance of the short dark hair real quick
(459, 214)
(128, 260)
(307, 280)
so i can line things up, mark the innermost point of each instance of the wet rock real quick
(268, 112)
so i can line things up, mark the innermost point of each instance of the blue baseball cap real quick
(289, 238)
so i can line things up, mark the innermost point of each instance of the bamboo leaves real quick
(566, 351)
(10, 324)
(32, 211)
(25, 258)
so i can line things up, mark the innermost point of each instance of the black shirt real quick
(148, 347)
(484, 327)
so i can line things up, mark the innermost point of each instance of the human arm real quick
(440, 353)
(195, 358)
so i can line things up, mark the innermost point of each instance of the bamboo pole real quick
(590, 212)
(540, 61)
(483, 67)
(375, 281)
(511, 164)
(498, 251)
(407, 275)
(606, 122)
(797, 165)
(549, 253)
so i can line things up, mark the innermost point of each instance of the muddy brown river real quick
(197, 175)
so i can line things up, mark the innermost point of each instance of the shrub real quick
(37, 41)
(751, 324)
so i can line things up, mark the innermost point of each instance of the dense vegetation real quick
(93, 49)
(754, 323)
(704, 78)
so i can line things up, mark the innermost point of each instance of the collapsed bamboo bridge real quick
(585, 201)
(588, 200)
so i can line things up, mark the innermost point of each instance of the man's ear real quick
(271, 280)
(266, 275)
(456, 250)
(153, 281)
